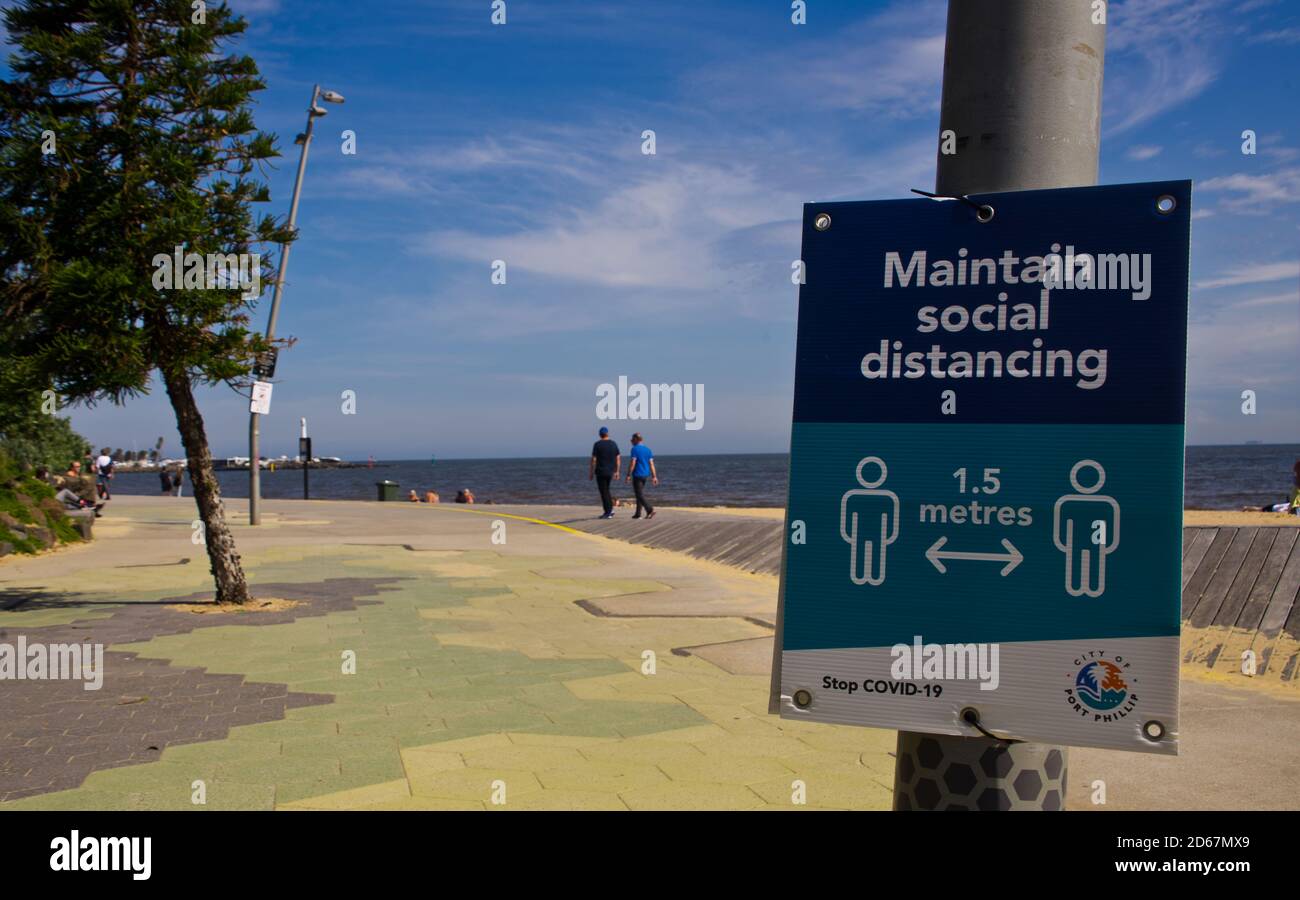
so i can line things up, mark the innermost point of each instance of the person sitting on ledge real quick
(431, 496)
(464, 495)
(72, 491)
(413, 497)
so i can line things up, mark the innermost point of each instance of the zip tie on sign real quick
(983, 212)
(971, 716)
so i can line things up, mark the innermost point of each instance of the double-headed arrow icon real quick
(1012, 557)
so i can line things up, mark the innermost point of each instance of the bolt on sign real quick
(987, 462)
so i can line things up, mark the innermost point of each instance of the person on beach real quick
(464, 495)
(640, 467)
(606, 461)
(431, 496)
(1290, 506)
(413, 497)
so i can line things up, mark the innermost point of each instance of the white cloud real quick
(1254, 273)
(559, 157)
(255, 7)
(1235, 349)
(1254, 193)
(1291, 297)
(1141, 152)
(1159, 54)
(887, 65)
(659, 231)
(1280, 36)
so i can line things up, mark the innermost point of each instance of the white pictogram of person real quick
(869, 522)
(1085, 527)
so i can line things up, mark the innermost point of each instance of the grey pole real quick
(1022, 93)
(254, 451)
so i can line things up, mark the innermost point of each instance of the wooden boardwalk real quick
(1240, 585)
(1239, 593)
(749, 543)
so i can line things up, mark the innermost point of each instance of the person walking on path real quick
(640, 467)
(606, 461)
(104, 469)
(165, 476)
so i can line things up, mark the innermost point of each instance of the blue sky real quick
(523, 142)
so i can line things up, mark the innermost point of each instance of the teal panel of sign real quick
(986, 466)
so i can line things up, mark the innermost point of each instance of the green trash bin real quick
(387, 489)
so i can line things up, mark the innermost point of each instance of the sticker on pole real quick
(260, 399)
(986, 467)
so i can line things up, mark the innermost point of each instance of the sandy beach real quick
(1229, 517)
(1191, 517)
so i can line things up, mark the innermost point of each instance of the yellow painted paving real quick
(481, 682)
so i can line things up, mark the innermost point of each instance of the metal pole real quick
(306, 461)
(254, 470)
(1022, 93)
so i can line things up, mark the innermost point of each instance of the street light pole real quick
(1022, 94)
(254, 454)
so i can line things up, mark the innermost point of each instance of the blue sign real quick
(986, 469)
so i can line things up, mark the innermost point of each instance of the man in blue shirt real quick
(641, 467)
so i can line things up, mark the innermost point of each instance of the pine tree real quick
(127, 133)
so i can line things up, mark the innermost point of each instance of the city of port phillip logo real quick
(1101, 688)
(681, 402)
(181, 271)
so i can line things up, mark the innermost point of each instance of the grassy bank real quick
(31, 519)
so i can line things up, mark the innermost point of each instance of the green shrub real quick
(20, 545)
(20, 497)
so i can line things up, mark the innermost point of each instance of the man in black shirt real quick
(605, 463)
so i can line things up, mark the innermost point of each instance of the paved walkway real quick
(484, 671)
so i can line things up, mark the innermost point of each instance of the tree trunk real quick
(226, 570)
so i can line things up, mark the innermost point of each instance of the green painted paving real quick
(412, 686)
